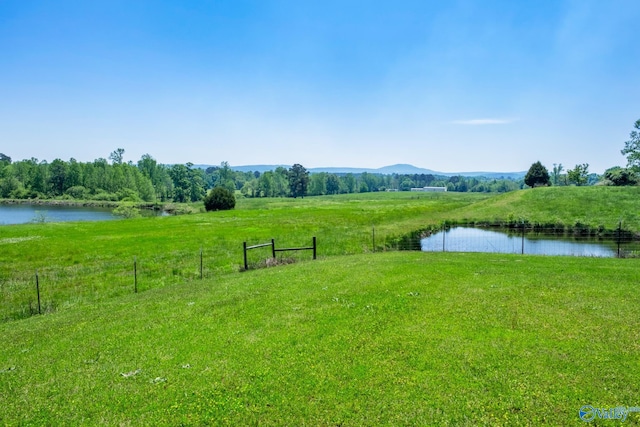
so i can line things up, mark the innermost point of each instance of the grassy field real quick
(355, 338)
(396, 338)
(81, 263)
(91, 261)
(595, 207)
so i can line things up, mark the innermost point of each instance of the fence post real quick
(244, 247)
(522, 237)
(38, 291)
(273, 248)
(314, 247)
(373, 236)
(444, 232)
(619, 236)
(135, 275)
(200, 262)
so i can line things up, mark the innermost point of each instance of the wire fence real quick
(526, 239)
(49, 288)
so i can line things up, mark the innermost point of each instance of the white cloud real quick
(475, 122)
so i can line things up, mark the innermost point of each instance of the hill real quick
(380, 339)
(592, 206)
(401, 169)
(87, 262)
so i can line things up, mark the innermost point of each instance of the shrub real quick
(104, 196)
(219, 199)
(127, 211)
(78, 192)
(128, 195)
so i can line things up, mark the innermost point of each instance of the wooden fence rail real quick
(274, 250)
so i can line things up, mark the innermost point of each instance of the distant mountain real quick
(401, 169)
(258, 168)
(405, 169)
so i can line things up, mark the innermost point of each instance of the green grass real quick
(399, 338)
(91, 261)
(82, 263)
(595, 206)
(355, 338)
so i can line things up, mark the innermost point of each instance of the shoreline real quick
(81, 203)
(169, 208)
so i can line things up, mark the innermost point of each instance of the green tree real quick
(620, 176)
(298, 180)
(188, 183)
(407, 184)
(348, 184)
(266, 184)
(318, 184)
(9, 187)
(557, 170)
(41, 178)
(369, 182)
(74, 173)
(537, 175)
(632, 148)
(117, 156)
(280, 182)
(226, 176)
(181, 185)
(197, 189)
(58, 176)
(250, 188)
(159, 176)
(333, 184)
(579, 175)
(219, 199)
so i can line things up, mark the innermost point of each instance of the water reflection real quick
(467, 239)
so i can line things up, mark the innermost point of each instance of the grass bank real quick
(377, 339)
(595, 207)
(86, 262)
(90, 261)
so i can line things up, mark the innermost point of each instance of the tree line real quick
(538, 175)
(113, 179)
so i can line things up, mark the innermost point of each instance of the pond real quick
(468, 239)
(21, 214)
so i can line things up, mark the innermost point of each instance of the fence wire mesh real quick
(525, 239)
(101, 277)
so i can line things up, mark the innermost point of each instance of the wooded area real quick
(149, 181)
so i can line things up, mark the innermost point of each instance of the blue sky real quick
(446, 85)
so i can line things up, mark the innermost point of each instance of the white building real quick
(435, 189)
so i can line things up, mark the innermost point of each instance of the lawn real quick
(93, 261)
(354, 338)
(79, 263)
(396, 338)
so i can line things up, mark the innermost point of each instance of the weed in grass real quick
(131, 374)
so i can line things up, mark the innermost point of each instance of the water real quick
(467, 239)
(20, 214)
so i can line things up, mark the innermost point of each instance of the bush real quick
(127, 211)
(104, 196)
(537, 176)
(78, 192)
(219, 199)
(128, 195)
